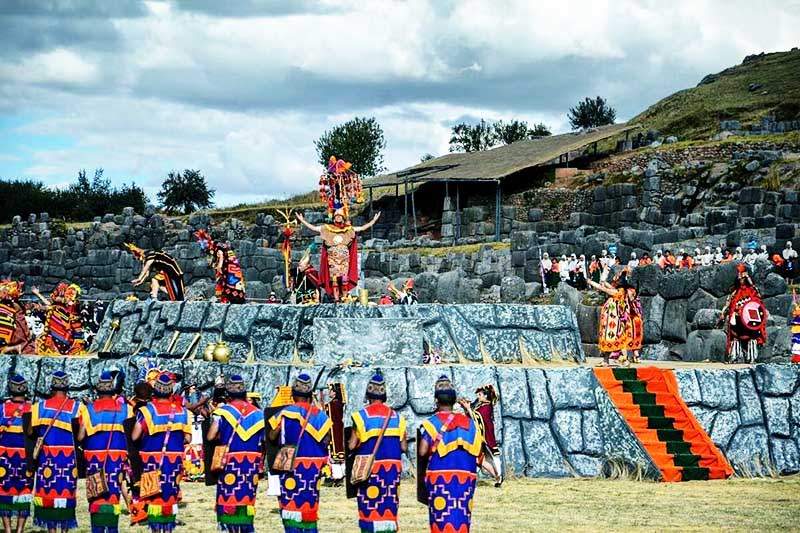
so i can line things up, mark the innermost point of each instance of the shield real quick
(422, 469)
(752, 314)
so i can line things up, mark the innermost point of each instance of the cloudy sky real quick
(241, 89)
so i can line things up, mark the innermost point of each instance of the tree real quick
(591, 113)
(187, 192)
(426, 157)
(359, 141)
(539, 130)
(472, 137)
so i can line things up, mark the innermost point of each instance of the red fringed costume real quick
(339, 259)
(746, 319)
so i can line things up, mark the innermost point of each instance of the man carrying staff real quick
(106, 451)
(57, 469)
(164, 428)
(451, 443)
(167, 273)
(379, 432)
(239, 426)
(16, 484)
(306, 427)
(338, 268)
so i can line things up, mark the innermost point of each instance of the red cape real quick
(352, 272)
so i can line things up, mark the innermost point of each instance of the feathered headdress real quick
(138, 253)
(11, 290)
(205, 241)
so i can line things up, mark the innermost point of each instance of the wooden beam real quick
(413, 211)
(405, 209)
(457, 232)
(371, 214)
(497, 213)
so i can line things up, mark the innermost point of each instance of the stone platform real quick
(552, 421)
(284, 334)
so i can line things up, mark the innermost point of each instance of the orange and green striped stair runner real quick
(650, 402)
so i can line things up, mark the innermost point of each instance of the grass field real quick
(553, 505)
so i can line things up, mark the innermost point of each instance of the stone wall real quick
(751, 414)
(682, 310)
(551, 422)
(283, 333)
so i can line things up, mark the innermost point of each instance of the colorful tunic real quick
(57, 472)
(746, 316)
(230, 283)
(379, 497)
(635, 324)
(168, 273)
(299, 500)
(452, 470)
(63, 332)
(613, 328)
(339, 258)
(106, 450)
(242, 425)
(165, 423)
(14, 329)
(16, 483)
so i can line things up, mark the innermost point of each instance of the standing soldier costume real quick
(106, 452)
(334, 408)
(57, 471)
(379, 434)
(450, 443)
(482, 412)
(164, 427)
(238, 427)
(16, 483)
(306, 427)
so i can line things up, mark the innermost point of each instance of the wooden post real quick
(413, 211)
(457, 232)
(497, 212)
(405, 208)
(371, 214)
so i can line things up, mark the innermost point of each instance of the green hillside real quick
(695, 113)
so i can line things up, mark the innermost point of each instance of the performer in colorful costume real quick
(746, 319)
(106, 450)
(239, 425)
(63, 327)
(379, 496)
(334, 408)
(229, 276)
(164, 427)
(307, 282)
(452, 443)
(795, 329)
(339, 263)
(482, 412)
(16, 483)
(635, 322)
(168, 276)
(15, 336)
(299, 500)
(615, 336)
(57, 471)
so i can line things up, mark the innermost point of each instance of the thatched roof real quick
(497, 163)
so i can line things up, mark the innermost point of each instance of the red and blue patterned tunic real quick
(16, 483)
(241, 428)
(299, 500)
(379, 498)
(57, 472)
(452, 470)
(163, 420)
(106, 449)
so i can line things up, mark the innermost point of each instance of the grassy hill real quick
(695, 113)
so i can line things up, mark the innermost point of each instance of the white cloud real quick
(239, 98)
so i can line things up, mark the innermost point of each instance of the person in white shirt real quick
(737, 255)
(563, 268)
(763, 254)
(604, 266)
(718, 256)
(750, 258)
(707, 258)
(790, 258)
(634, 262)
